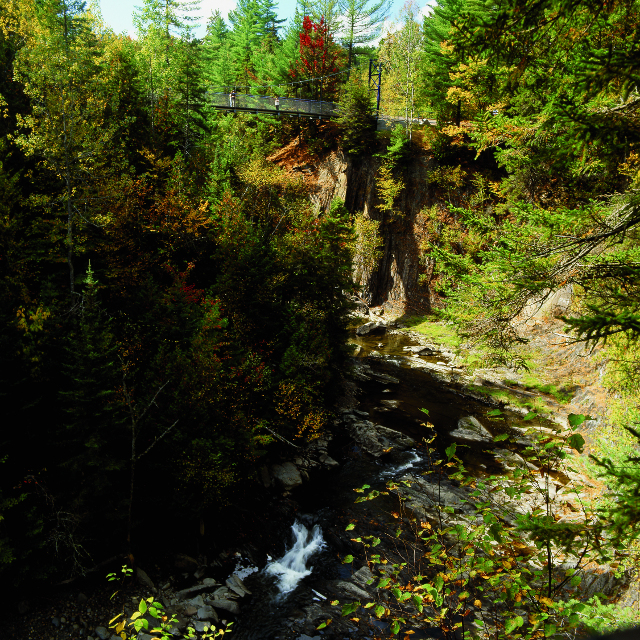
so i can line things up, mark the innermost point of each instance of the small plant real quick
(487, 568)
(151, 617)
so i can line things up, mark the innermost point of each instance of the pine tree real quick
(218, 67)
(247, 30)
(330, 13)
(362, 22)
(189, 94)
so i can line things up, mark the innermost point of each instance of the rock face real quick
(354, 180)
(378, 440)
(470, 429)
(287, 475)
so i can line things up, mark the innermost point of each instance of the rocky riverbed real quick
(378, 436)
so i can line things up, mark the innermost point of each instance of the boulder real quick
(561, 301)
(236, 585)
(192, 591)
(378, 440)
(185, 563)
(226, 605)
(362, 576)
(510, 460)
(287, 475)
(328, 461)
(371, 328)
(383, 378)
(351, 590)
(470, 429)
(196, 602)
(207, 613)
(143, 578)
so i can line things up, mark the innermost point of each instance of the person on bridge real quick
(232, 99)
(277, 103)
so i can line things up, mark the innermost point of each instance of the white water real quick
(396, 469)
(292, 567)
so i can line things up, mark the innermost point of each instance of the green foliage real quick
(356, 119)
(488, 568)
(151, 617)
(366, 246)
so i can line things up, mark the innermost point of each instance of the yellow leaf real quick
(120, 627)
(355, 619)
(547, 601)
(114, 619)
(477, 603)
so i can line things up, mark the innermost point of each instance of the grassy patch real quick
(438, 332)
(502, 395)
(531, 382)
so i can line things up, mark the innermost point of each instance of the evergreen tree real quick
(247, 31)
(161, 24)
(356, 118)
(438, 61)
(68, 103)
(93, 443)
(218, 68)
(190, 94)
(330, 13)
(269, 17)
(362, 22)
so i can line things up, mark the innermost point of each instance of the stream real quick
(304, 578)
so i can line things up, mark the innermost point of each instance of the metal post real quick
(379, 83)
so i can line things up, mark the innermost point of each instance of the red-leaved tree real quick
(319, 59)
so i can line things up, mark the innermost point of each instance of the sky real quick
(117, 13)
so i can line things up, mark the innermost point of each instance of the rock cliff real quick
(395, 280)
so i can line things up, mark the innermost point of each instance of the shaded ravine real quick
(303, 579)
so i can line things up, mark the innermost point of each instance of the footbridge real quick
(245, 102)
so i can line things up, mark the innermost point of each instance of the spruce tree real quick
(247, 30)
(218, 68)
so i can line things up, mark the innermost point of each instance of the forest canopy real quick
(172, 305)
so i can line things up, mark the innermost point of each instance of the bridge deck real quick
(266, 104)
(248, 103)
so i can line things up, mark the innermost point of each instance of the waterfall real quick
(292, 567)
(396, 469)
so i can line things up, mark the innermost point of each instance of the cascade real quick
(292, 567)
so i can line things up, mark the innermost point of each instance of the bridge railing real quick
(267, 103)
